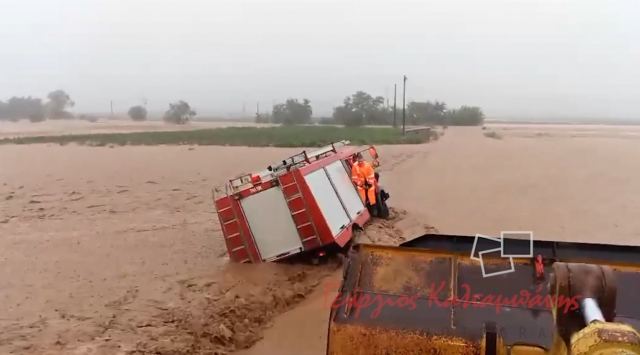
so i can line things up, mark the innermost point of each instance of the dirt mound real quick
(398, 228)
(230, 314)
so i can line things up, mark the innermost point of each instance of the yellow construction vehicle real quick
(444, 294)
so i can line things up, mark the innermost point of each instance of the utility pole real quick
(394, 105)
(111, 104)
(386, 95)
(404, 92)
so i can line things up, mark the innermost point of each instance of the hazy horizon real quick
(520, 59)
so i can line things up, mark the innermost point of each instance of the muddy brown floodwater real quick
(118, 250)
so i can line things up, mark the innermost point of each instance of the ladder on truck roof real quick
(286, 165)
(306, 158)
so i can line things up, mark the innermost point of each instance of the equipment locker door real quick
(344, 187)
(271, 223)
(327, 200)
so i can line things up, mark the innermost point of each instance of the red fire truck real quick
(306, 202)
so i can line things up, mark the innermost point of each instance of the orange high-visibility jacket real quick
(361, 172)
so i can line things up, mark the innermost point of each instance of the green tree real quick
(22, 107)
(263, 118)
(465, 116)
(58, 102)
(292, 112)
(426, 113)
(360, 109)
(179, 113)
(138, 113)
(4, 111)
(348, 116)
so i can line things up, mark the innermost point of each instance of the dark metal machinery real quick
(429, 296)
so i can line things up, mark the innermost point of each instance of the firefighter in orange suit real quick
(363, 176)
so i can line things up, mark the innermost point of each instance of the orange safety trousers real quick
(362, 172)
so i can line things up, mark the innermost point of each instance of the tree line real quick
(58, 102)
(362, 108)
(179, 112)
(358, 109)
(35, 109)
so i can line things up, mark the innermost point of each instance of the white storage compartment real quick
(271, 223)
(328, 201)
(341, 180)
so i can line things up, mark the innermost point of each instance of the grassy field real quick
(283, 136)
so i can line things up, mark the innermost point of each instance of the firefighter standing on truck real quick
(363, 176)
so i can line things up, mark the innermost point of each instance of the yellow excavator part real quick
(431, 295)
(600, 338)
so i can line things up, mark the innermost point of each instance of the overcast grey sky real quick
(529, 58)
